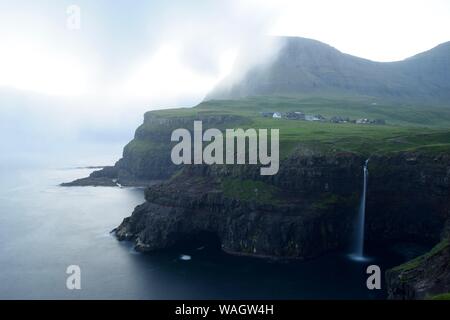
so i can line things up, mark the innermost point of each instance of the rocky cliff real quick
(146, 159)
(304, 211)
(422, 278)
(408, 197)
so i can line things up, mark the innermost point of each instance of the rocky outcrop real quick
(422, 278)
(146, 159)
(112, 176)
(106, 177)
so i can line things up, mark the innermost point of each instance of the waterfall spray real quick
(359, 242)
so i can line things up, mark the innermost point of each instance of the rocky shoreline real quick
(109, 176)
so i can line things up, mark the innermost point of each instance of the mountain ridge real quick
(307, 66)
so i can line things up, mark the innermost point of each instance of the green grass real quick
(142, 147)
(408, 128)
(249, 190)
(443, 296)
(394, 114)
(410, 265)
(365, 139)
(329, 200)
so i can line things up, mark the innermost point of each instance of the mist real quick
(63, 90)
(66, 94)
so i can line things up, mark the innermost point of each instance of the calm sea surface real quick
(44, 228)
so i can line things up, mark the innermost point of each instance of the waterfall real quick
(359, 241)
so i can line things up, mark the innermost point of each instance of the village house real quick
(362, 121)
(277, 115)
(298, 115)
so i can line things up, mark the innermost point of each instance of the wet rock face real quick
(408, 197)
(312, 174)
(305, 220)
(305, 173)
(171, 216)
(313, 211)
(410, 200)
(423, 277)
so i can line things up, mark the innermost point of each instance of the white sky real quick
(381, 30)
(166, 52)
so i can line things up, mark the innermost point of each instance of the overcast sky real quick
(174, 52)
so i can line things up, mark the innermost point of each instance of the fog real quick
(64, 91)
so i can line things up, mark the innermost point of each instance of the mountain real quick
(305, 66)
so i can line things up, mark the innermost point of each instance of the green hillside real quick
(407, 127)
(308, 66)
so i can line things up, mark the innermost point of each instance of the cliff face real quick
(310, 210)
(146, 159)
(422, 278)
(409, 199)
(306, 211)
(408, 196)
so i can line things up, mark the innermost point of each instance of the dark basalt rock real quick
(106, 177)
(423, 277)
(408, 197)
(188, 205)
(91, 181)
(110, 177)
(294, 226)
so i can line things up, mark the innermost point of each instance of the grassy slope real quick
(413, 264)
(408, 127)
(250, 190)
(444, 296)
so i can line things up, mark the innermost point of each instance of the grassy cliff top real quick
(407, 128)
(415, 263)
